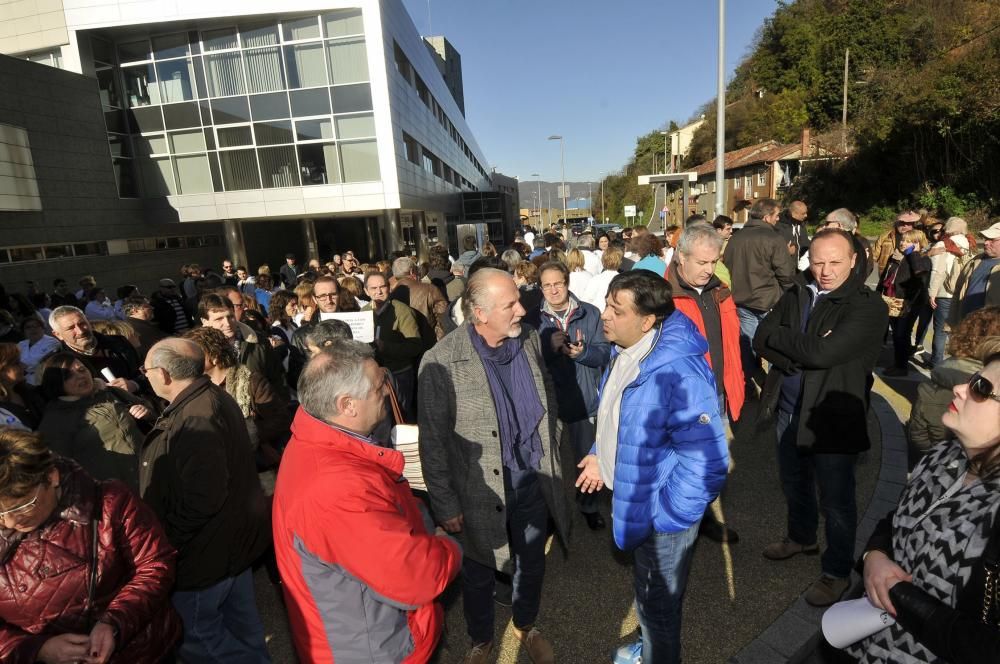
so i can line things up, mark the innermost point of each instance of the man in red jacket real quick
(701, 296)
(360, 560)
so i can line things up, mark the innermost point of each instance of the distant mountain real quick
(528, 192)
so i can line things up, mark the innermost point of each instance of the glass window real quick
(412, 149)
(209, 138)
(225, 74)
(19, 254)
(213, 163)
(264, 35)
(230, 109)
(230, 137)
(761, 178)
(263, 67)
(176, 80)
(147, 145)
(109, 88)
(356, 126)
(58, 250)
(348, 61)
(305, 65)
(277, 167)
(343, 23)
(193, 176)
(140, 85)
(311, 130)
(91, 249)
(187, 141)
(269, 107)
(115, 121)
(170, 46)
(310, 102)
(274, 132)
(352, 98)
(132, 51)
(181, 116)
(319, 163)
(360, 161)
(102, 50)
(239, 169)
(218, 40)
(300, 28)
(120, 146)
(157, 178)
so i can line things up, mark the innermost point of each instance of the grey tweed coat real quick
(460, 447)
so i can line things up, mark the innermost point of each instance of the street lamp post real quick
(720, 116)
(604, 212)
(665, 134)
(539, 182)
(562, 166)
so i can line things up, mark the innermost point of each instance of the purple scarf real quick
(515, 397)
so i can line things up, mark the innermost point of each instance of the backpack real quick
(951, 280)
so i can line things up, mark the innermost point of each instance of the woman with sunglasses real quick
(85, 568)
(933, 563)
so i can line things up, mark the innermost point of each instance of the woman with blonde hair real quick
(349, 295)
(578, 275)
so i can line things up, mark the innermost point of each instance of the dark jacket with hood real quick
(197, 472)
(834, 354)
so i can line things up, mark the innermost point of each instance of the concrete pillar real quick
(420, 230)
(235, 248)
(375, 251)
(312, 245)
(392, 232)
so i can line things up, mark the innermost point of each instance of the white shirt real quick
(35, 353)
(623, 372)
(591, 262)
(578, 281)
(99, 311)
(597, 289)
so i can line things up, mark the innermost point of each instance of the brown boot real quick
(479, 654)
(539, 650)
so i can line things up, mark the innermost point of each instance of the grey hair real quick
(477, 292)
(845, 218)
(956, 226)
(585, 241)
(703, 234)
(62, 312)
(327, 331)
(403, 266)
(511, 257)
(183, 359)
(339, 370)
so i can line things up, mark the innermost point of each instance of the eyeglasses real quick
(145, 370)
(554, 287)
(981, 389)
(22, 510)
(324, 296)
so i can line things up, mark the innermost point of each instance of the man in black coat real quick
(792, 226)
(97, 351)
(822, 339)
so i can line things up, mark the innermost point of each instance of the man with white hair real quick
(490, 456)
(591, 261)
(361, 562)
(96, 351)
(426, 299)
(948, 256)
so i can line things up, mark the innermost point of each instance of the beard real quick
(514, 331)
(85, 344)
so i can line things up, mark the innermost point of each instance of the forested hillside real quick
(923, 102)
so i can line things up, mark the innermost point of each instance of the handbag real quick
(991, 564)
(895, 305)
(406, 440)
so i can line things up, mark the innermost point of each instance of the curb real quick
(796, 634)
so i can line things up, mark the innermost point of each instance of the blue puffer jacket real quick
(576, 380)
(672, 455)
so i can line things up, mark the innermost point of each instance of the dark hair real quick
(647, 244)
(763, 208)
(54, 371)
(557, 266)
(720, 222)
(210, 302)
(485, 261)
(696, 217)
(651, 293)
(214, 345)
(25, 462)
(280, 300)
(973, 330)
(126, 290)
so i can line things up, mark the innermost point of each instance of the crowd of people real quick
(154, 449)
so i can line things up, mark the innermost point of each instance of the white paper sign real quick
(850, 621)
(362, 323)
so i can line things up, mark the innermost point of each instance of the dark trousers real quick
(902, 333)
(221, 623)
(582, 434)
(527, 518)
(833, 474)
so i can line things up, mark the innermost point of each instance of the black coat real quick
(197, 472)
(836, 354)
(911, 275)
(793, 231)
(114, 352)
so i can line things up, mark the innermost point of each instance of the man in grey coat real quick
(490, 456)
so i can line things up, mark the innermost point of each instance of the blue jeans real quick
(940, 336)
(221, 623)
(749, 320)
(661, 569)
(582, 434)
(527, 519)
(834, 475)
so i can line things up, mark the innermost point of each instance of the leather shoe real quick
(826, 590)
(786, 548)
(717, 532)
(594, 520)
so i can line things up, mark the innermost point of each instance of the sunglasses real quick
(981, 389)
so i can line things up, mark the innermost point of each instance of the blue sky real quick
(599, 73)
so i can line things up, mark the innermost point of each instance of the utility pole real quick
(847, 62)
(539, 183)
(720, 116)
(604, 211)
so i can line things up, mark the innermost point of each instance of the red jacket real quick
(359, 566)
(44, 574)
(732, 362)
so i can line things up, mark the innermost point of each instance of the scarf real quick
(509, 374)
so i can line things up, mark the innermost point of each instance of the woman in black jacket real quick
(933, 563)
(906, 277)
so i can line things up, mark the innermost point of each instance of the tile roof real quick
(754, 154)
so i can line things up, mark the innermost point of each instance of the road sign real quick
(590, 220)
(629, 210)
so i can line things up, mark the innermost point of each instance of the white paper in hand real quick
(108, 376)
(848, 622)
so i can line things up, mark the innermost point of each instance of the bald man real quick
(792, 226)
(197, 473)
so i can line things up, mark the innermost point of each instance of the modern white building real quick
(311, 126)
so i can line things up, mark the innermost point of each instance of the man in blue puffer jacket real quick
(661, 448)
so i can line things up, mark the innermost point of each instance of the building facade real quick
(307, 127)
